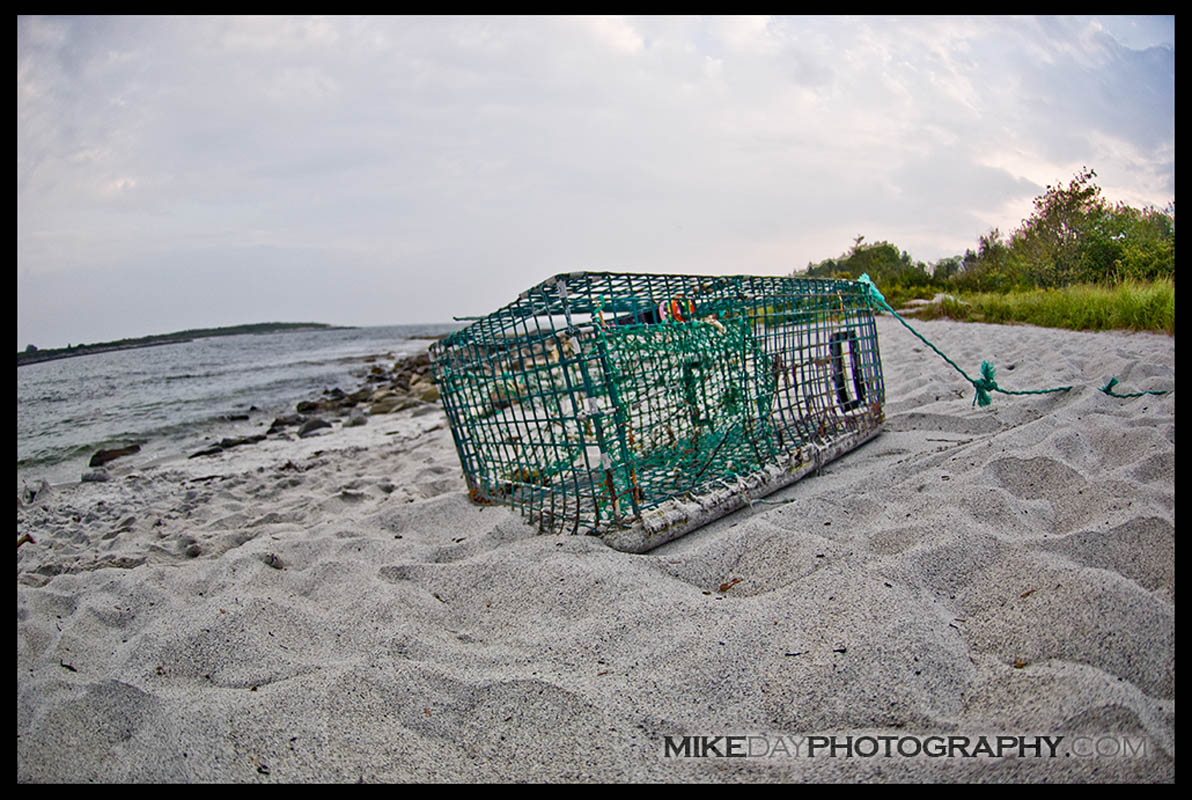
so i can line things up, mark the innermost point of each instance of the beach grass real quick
(1085, 307)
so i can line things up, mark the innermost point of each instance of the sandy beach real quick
(334, 609)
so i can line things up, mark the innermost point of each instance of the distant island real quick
(32, 355)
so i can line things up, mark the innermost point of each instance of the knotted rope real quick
(985, 384)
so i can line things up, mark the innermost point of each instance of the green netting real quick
(595, 397)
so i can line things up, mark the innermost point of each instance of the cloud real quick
(445, 162)
(615, 32)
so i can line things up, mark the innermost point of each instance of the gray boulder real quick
(104, 456)
(311, 425)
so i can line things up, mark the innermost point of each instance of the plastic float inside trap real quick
(640, 407)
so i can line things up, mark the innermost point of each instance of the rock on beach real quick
(104, 456)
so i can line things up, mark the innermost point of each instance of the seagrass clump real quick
(639, 407)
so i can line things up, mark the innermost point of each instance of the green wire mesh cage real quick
(639, 407)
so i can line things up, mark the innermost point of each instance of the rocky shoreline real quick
(407, 383)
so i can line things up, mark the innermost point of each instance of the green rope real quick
(1108, 389)
(986, 383)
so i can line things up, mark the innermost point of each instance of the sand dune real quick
(334, 609)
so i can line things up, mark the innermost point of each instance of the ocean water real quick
(171, 399)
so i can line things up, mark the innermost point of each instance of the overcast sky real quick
(193, 172)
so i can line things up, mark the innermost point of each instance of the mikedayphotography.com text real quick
(758, 746)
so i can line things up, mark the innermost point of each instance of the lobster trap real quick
(639, 407)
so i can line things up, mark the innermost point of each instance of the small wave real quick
(189, 376)
(50, 456)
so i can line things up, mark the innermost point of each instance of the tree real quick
(1144, 243)
(946, 268)
(1052, 240)
(1075, 236)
